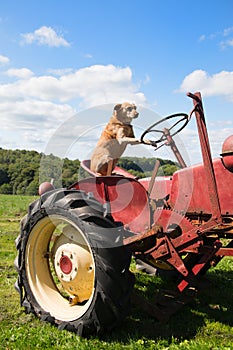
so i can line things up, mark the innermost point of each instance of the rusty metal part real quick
(153, 176)
(143, 241)
(204, 260)
(225, 252)
(170, 142)
(206, 154)
(189, 242)
(174, 243)
(176, 227)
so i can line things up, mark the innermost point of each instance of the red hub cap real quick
(65, 264)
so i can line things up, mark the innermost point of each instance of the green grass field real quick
(205, 323)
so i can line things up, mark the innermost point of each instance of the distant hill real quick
(22, 171)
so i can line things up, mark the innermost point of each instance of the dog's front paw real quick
(150, 142)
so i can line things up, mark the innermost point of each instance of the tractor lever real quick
(194, 97)
(206, 155)
(197, 106)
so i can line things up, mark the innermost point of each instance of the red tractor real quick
(76, 244)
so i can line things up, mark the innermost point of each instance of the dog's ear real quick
(117, 107)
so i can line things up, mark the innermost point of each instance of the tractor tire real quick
(73, 270)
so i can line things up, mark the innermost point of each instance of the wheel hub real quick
(74, 268)
(65, 264)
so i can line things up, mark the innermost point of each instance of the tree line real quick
(22, 171)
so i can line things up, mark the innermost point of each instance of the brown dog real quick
(117, 134)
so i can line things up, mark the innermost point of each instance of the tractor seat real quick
(85, 164)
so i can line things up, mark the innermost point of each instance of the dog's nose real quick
(136, 114)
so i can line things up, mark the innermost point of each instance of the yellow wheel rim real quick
(60, 268)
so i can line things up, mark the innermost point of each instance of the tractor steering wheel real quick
(182, 121)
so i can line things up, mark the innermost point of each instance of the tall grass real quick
(205, 323)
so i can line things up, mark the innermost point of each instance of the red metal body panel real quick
(161, 187)
(189, 191)
(127, 198)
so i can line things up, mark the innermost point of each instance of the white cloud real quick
(22, 73)
(94, 85)
(4, 59)
(228, 31)
(223, 44)
(27, 114)
(36, 106)
(101, 84)
(45, 36)
(147, 79)
(202, 38)
(211, 85)
(88, 55)
(226, 43)
(60, 72)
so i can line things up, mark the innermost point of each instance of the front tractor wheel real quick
(73, 269)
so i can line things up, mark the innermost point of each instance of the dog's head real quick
(125, 112)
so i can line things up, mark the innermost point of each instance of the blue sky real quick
(58, 58)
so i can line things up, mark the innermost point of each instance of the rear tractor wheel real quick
(73, 270)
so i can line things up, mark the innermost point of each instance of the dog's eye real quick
(129, 109)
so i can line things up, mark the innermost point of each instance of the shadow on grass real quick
(214, 303)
